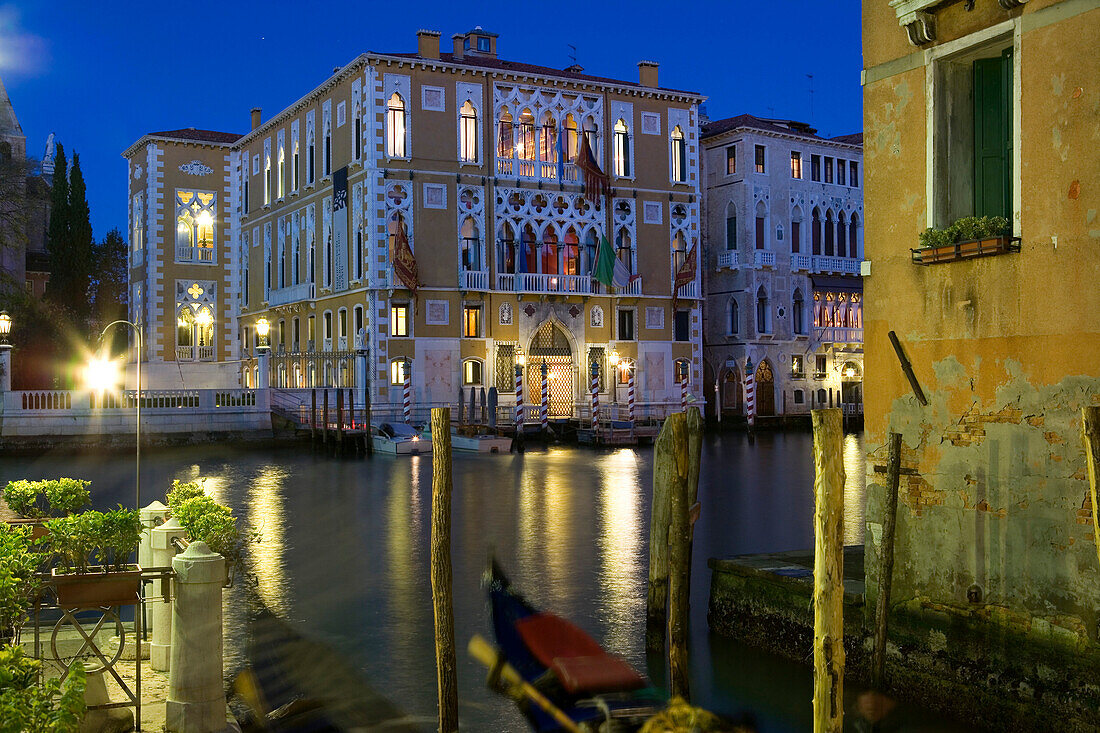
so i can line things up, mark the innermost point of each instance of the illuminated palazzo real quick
(469, 163)
(783, 232)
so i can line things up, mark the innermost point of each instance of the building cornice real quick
(916, 18)
(181, 140)
(737, 131)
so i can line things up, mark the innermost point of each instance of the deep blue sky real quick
(102, 74)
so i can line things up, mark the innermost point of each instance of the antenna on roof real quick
(811, 78)
(573, 56)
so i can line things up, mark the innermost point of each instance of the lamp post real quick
(5, 352)
(137, 405)
(263, 328)
(615, 361)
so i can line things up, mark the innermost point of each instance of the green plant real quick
(182, 491)
(19, 582)
(937, 237)
(22, 497)
(81, 539)
(29, 705)
(208, 521)
(119, 533)
(72, 539)
(66, 495)
(966, 229)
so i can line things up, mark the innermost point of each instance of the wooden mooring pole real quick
(446, 666)
(368, 440)
(682, 495)
(828, 598)
(313, 420)
(886, 561)
(324, 417)
(665, 477)
(1090, 426)
(339, 422)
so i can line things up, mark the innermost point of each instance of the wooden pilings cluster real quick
(337, 429)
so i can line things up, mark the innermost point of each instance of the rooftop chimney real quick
(427, 44)
(647, 73)
(255, 117)
(459, 50)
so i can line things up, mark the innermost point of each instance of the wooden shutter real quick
(731, 232)
(760, 232)
(993, 136)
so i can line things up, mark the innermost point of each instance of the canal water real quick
(345, 553)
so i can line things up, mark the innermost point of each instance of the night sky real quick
(102, 74)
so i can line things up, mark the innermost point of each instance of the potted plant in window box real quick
(78, 540)
(970, 236)
(33, 501)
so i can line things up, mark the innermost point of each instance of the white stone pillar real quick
(160, 612)
(263, 358)
(361, 377)
(196, 700)
(5, 368)
(152, 516)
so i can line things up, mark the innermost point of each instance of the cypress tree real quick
(80, 227)
(57, 235)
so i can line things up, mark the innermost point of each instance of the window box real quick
(966, 249)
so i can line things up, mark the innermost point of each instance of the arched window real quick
(592, 132)
(853, 236)
(311, 265)
(733, 316)
(185, 233)
(195, 226)
(282, 171)
(763, 317)
(761, 225)
(829, 249)
(815, 230)
(395, 127)
(548, 261)
(472, 372)
(678, 160)
(570, 138)
(588, 256)
(548, 142)
(798, 323)
(841, 238)
(796, 230)
(506, 249)
(679, 252)
(311, 157)
(623, 250)
(525, 137)
(471, 245)
(467, 135)
(505, 139)
(731, 226)
(295, 255)
(529, 251)
(621, 149)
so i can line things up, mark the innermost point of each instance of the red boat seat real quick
(575, 658)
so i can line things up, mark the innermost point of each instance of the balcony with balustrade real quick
(194, 353)
(291, 294)
(203, 255)
(689, 291)
(473, 280)
(838, 335)
(763, 258)
(728, 260)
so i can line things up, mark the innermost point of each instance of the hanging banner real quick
(340, 230)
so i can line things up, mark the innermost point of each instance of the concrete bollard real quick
(196, 700)
(160, 612)
(152, 516)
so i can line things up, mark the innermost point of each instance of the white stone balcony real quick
(689, 291)
(473, 280)
(801, 262)
(291, 294)
(728, 259)
(506, 282)
(763, 258)
(201, 255)
(840, 265)
(194, 353)
(530, 282)
(839, 335)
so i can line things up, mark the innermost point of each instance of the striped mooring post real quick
(407, 401)
(750, 393)
(630, 392)
(519, 397)
(683, 394)
(595, 396)
(544, 413)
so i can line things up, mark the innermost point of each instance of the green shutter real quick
(731, 232)
(993, 136)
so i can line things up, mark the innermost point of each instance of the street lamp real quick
(5, 329)
(102, 374)
(5, 352)
(263, 328)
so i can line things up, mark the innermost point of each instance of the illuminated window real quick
(472, 372)
(621, 149)
(796, 164)
(471, 321)
(267, 172)
(399, 319)
(505, 138)
(395, 127)
(194, 332)
(760, 158)
(468, 134)
(195, 226)
(548, 143)
(731, 160)
(571, 138)
(797, 365)
(679, 252)
(282, 171)
(398, 369)
(138, 237)
(294, 166)
(525, 136)
(679, 156)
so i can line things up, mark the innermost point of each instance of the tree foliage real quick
(70, 242)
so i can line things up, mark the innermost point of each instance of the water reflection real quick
(854, 483)
(622, 597)
(265, 515)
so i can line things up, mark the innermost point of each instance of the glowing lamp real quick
(520, 358)
(849, 372)
(615, 359)
(204, 318)
(263, 328)
(101, 374)
(5, 326)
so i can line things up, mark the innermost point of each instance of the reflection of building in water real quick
(622, 572)
(545, 525)
(854, 482)
(266, 515)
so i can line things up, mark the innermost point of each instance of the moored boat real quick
(399, 439)
(476, 443)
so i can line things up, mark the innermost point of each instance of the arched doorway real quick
(731, 392)
(765, 389)
(851, 383)
(551, 346)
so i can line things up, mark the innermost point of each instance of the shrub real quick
(967, 228)
(19, 564)
(66, 495)
(937, 237)
(208, 521)
(72, 538)
(119, 532)
(81, 539)
(27, 705)
(182, 491)
(22, 498)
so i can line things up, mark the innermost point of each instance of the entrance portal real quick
(550, 346)
(765, 389)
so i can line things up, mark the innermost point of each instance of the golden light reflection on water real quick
(557, 518)
(266, 515)
(545, 541)
(854, 482)
(402, 525)
(620, 507)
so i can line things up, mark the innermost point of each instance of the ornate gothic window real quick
(395, 127)
(195, 212)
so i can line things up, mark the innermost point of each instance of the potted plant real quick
(79, 540)
(19, 579)
(970, 236)
(182, 491)
(208, 521)
(66, 495)
(35, 500)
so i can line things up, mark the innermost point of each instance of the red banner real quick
(404, 264)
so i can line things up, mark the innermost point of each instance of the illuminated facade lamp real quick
(520, 358)
(5, 329)
(263, 328)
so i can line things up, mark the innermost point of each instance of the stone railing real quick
(728, 259)
(291, 294)
(839, 335)
(763, 258)
(473, 280)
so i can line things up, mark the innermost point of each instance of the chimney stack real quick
(255, 117)
(427, 44)
(647, 73)
(460, 46)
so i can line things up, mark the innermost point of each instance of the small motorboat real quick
(476, 443)
(399, 439)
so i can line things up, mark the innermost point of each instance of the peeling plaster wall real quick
(1007, 348)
